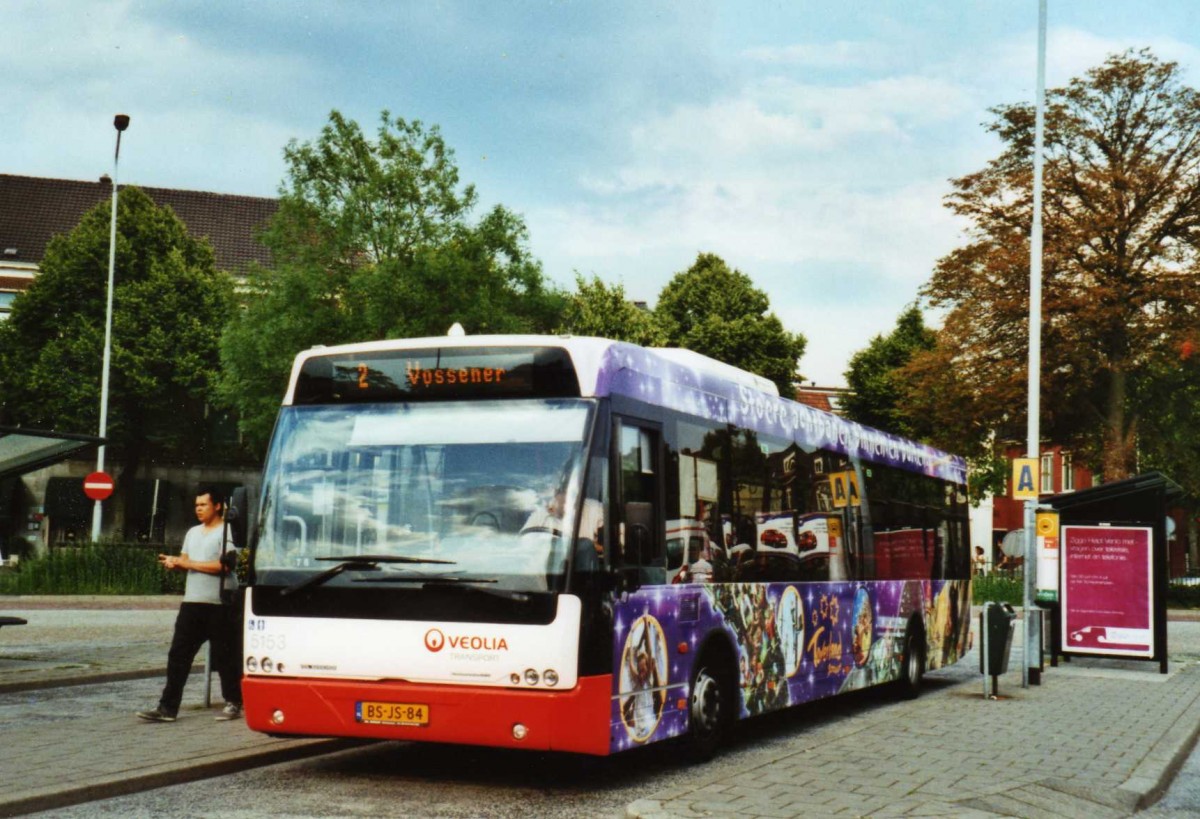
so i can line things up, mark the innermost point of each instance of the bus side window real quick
(640, 488)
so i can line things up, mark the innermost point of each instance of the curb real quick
(162, 775)
(87, 679)
(1153, 776)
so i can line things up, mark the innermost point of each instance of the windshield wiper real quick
(464, 584)
(362, 563)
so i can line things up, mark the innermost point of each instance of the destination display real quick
(451, 373)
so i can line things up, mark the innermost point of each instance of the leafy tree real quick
(1121, 229)
(718, 312)
(596, 309)
(1168, 399)
(169, 305)
(876, 381)
(372, 240)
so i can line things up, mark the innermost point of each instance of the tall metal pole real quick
(120, 122)
(1035, 344)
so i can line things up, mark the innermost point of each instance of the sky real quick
(808, 144)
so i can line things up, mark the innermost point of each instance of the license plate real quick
(391, 713)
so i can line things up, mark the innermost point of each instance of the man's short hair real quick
(214, 494)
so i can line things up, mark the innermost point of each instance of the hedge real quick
(107, 568)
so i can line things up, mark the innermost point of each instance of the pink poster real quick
(1107, 597)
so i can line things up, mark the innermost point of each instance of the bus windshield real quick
(418, 495)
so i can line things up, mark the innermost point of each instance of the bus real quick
(581, 545)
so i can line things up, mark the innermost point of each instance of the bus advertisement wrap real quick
(795, 643)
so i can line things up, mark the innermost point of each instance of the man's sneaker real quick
(232, 710)
(156, 715)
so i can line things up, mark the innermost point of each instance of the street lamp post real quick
(1033, 440)
(120, 122)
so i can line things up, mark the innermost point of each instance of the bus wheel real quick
(710, 709)
(912, 663)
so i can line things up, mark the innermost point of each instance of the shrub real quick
(109, 568)
(1183, 597)
(999, 588)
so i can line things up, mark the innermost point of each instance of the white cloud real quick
(827, 196)
(208, 114)
(838, 54)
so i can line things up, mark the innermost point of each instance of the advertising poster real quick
(1107, 590)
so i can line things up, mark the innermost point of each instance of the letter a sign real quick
(1023, 485)
(844, 488)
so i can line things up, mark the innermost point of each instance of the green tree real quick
(373, 240)
(876, 380)
(169, 305)
(1121, 234)
(717, 311)
(597, 309)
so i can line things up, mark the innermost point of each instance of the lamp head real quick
(121, 122)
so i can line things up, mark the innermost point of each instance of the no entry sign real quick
(98, 486)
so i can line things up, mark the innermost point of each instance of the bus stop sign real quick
(98, 486)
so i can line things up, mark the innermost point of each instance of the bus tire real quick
(912, 661)
(710, 705)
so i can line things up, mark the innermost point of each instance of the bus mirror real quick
(238, 516)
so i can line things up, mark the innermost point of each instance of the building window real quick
(1047, 473)
(6, 302)
(1068, 476)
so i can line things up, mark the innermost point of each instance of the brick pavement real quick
(65, 743)
(1097, 738)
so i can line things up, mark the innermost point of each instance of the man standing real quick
(202, 616)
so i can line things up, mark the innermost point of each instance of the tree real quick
(596, 309)
(169, 305)
(875, 378)
(719, 312)
(372, 240)
(1120, 286)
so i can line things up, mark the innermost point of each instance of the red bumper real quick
(575, 721)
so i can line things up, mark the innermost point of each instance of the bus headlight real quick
(514, 678)
(251, 664)
(268, 665)
(550, 677)
(531, 676)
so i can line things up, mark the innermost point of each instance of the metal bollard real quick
(208, 675)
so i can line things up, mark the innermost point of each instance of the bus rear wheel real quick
(710, 708)
(912, 662)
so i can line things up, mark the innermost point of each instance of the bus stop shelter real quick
(1141, 501)
(26, 450)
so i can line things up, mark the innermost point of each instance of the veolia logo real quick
(435, 641)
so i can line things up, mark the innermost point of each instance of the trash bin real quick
(997, 624)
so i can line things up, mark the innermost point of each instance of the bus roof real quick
(695, 384)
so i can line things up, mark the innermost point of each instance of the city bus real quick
(581, 545)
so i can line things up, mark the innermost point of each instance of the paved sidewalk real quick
(1097, 738)
(70, 682)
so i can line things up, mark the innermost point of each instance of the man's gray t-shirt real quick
(203, 546)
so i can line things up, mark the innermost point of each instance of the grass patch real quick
(107, 568)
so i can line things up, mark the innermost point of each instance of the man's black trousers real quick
(197, 623)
